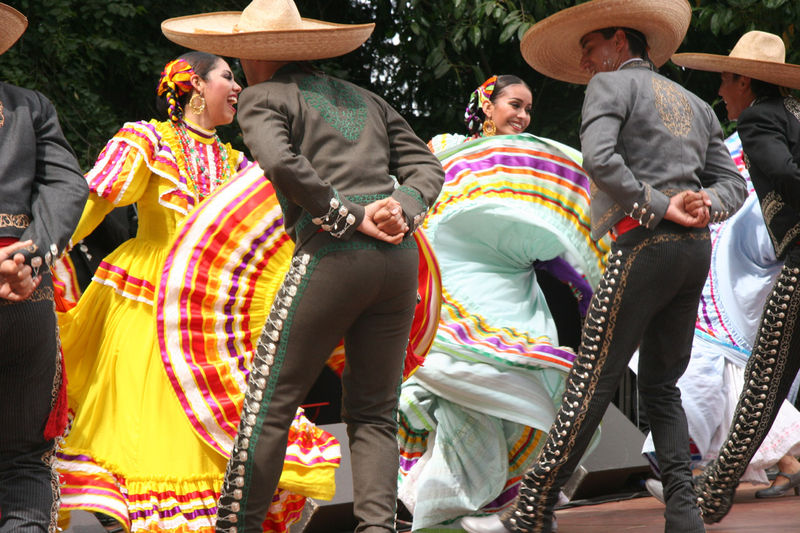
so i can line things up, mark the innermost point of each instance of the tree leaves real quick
(99, 60)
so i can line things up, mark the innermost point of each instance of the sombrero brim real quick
(214, 33)
(12, 26)
(782, 74)
(552, 46)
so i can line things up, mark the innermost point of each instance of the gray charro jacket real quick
(644, 139)
(330, 147)
(42, 190)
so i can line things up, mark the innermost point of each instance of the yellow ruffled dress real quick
(134, 451)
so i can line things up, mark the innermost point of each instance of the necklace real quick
(199, 174)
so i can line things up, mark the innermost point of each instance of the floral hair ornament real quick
(177, 75)
(176, 79)
(480, 95)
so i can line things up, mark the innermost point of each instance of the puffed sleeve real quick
(121, 173)
(59, 191)
(444, 141)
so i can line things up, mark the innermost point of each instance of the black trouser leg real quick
(768, 375)
(664, 355)
(29, 492)
(649, 293)
(367, 297)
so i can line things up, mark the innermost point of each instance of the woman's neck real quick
(197, 131)
(202, 120)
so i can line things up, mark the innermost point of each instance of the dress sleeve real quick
(237, 159)
(445, 141)
(93, 214)
(121, 173)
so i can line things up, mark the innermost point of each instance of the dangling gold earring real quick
(489, 128)
(197, 103)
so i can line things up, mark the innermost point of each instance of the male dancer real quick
(660, 173)
(42, 192)
(354, 182)
(769, 127)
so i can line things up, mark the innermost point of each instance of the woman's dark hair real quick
(475, 110)
(637, 42)
(202, 63)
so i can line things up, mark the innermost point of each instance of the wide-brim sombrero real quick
(757, 55)
(12, 26)
(312, 39)
(552, 46)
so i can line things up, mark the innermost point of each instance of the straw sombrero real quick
(757, 54)
(270, 30)
(12, 26)
(552, 46)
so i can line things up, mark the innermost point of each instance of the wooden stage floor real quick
(637, 515)
(645, 515)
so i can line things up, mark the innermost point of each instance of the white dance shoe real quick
(489, 524)
(483, 524)
(655, 488)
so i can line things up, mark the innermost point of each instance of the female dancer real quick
(511, 233)
(136, 451)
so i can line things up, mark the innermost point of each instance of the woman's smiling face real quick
(511, 109)
(221, 93)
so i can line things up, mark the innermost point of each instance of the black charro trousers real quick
(363, 291)
(647, 298)
(29, 492)
(768, 376)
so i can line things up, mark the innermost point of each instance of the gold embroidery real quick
(674, 108)
(792, 106)
(791, 311)
(602, 222)
(2, 116)
(771, 206)
(14, 221)
(39, 294)
(49, 459)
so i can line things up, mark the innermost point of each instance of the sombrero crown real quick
(271, 30)
(552, 46)
(757, 54)
(12, 26)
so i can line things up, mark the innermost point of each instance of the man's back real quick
(644, 138)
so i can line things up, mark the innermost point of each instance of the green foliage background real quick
(99, 60)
